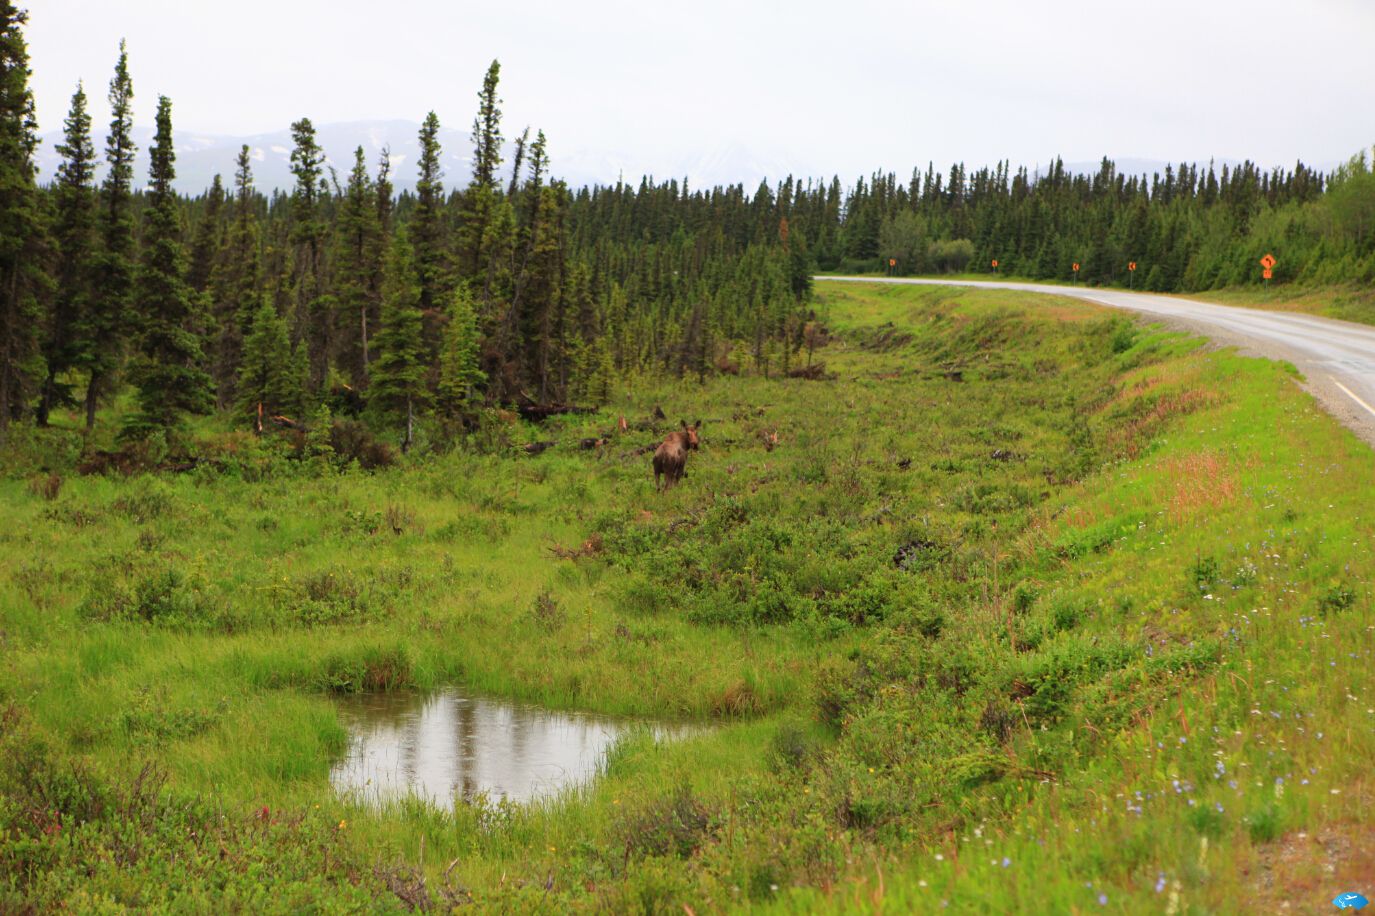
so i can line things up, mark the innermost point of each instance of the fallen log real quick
(815, 372)
(544, 411)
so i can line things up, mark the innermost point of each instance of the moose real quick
(670, 458)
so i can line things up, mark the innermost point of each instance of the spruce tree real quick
(377, 256)
(74, 233)
(205, 248)
(459, 374)
(312, 318)
(204, 254)
(357, 237)
(517, 157)
(600, 374)
(377, 260)
(487, 130)
(539, 304)
(427, 229)
(267, 378)
(106, 324)
(384, 198)
(480, 198)
(398, 388)
(23, 240)
(167, 371)
(236, 283)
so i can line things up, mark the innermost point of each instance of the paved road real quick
(1337, 358)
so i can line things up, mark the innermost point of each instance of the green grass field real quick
(1031, 609)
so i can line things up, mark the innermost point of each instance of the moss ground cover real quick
(1030, 607)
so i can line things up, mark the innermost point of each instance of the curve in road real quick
(1337, 358)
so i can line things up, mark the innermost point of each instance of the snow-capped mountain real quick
(202, 156)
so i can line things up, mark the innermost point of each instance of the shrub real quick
(958, 670)
(950, 256)
(1204, 574)
(398, 518)
(1069, 611)
(160, 595)
(791, 748)
(150, 721)
(361, 521)
(1122, 336)
(46, 487)
(998, 719)
(676, 825)
(352, 441)
(1336, 598)
(547, 613)
(328, 597)
(868, 602)
(146, 499)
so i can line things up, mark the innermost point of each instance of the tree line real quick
(1188, 229)
(514, 289)
(511, 290)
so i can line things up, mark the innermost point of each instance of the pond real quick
(447, 745)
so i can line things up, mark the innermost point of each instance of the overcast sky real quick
(842, 86)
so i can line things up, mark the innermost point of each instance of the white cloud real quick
(853, 85)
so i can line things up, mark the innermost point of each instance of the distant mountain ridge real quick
(202, 156)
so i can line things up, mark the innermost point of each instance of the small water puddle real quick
(447, 745)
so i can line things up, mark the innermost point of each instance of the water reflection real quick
(446, 745)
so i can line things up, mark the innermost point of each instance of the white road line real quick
(1351, 394)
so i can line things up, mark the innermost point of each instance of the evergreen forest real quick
(505, 287)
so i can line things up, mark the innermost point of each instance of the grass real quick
(1347, 301)
(1030, 608)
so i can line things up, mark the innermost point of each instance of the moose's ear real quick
(697, 425)
(684, 422)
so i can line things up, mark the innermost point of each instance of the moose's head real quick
(690, 437)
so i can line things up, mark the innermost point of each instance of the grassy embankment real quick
(1030, 605)
(1347, 302)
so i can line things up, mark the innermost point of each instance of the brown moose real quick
(670, 458)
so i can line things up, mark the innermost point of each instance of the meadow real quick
(1031, 608)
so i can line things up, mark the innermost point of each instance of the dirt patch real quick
(1301, 872)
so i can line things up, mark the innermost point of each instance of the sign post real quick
(995, 265)
(892, 264)
(1076, 273)
(1267, 264)
(1131, 275)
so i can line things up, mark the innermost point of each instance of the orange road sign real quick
(1268, 262)
(1267, 273)
(1076, 266)
(995, 262)
(892, 262)
(1131, 265)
